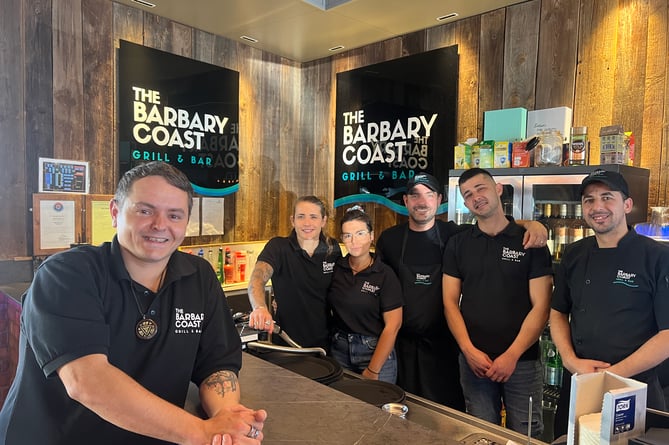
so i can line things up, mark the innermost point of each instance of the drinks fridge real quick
(528, 190)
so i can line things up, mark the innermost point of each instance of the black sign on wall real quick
(180, 111)
(395, 119)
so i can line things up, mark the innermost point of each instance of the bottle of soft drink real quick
(219, 266)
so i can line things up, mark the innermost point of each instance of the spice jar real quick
(578, 146)
(549, 150)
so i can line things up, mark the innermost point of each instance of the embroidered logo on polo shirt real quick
(423, 279)
(512, 255)
(328, 267)
(625, 278)
(369, 288)
(188, 322)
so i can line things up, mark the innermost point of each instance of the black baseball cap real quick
(426, 179)
(613, 180)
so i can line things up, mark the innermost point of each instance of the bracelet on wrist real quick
(372, 371)
(260, 307)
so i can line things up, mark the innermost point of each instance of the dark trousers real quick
(427, 366)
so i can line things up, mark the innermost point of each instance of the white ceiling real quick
(302, 32)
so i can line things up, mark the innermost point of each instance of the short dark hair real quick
(171, 174)
(469, 174)
(356, 213)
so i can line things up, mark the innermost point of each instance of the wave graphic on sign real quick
(378, 199)
(205, 191)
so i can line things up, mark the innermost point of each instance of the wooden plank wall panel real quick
(491, 70)
(467, 36)
(37, 17)
(593, 102)
(12, 129)
(630, 68)
(128, 25)
(556, 59)
(68, 103)
(226, 53)
(98, 81)
(520, 54)
(541, 59)
(654, 154)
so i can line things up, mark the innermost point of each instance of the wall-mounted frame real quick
(63, 176)
(57, 222)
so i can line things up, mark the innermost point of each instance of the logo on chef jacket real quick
(188, 322)
(625, 278)
(328, 267)
(511, 255)
(369, 288)
(423, 279)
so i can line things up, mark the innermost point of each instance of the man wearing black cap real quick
(427, 353)
(610, 307)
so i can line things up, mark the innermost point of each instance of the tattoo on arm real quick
(262, 271)
(222, 382)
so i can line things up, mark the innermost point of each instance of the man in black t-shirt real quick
(426, 351)
(497, 298)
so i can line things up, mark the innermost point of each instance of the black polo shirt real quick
(80, 303)
(300, 283)
(359, 301)
(618, 297)
(495, 273)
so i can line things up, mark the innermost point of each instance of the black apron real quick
(427, 352)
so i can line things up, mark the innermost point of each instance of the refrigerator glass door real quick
(512, 196)
(550, 189)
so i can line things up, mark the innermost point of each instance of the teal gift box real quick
(509, 124)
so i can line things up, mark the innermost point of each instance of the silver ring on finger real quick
(253, 432)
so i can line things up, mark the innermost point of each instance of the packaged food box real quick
(619, 402)
(520, 157)
(509, 124)
(462, 156)
(486, 154)
(558, 118)
(502, 154)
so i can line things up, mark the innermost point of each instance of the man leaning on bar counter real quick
(102, 357)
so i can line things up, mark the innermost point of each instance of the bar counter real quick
(303, 411)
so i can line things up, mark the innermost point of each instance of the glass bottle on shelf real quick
(577, 229)
(219, 266)
(549, 221)
(561, 233)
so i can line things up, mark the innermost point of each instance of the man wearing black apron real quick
(426, 351)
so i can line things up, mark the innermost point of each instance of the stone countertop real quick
(302, 411)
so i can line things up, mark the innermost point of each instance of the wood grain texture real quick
(520, 54)
(606, 59)
(556, 58)
(593, 101)
(98, 83)
(68, 98)
(491, 71)
(12, 102)
(39, 125)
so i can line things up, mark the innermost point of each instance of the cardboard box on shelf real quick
(462, 156)
(558, 118)
(621, 401)
(502, 154)
(509, 124)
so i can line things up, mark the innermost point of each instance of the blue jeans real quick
(483, 397)
(354, 351)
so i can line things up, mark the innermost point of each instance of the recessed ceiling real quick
(300, 31)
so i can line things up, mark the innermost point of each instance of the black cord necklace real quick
(146, 328)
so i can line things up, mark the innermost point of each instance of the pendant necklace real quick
(146, 328)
